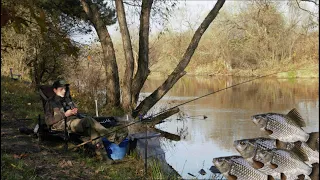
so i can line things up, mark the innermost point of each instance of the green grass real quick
(156, 171)
(15, 169)
(18, 101)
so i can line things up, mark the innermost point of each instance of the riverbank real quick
(23, 157)
(285, 71)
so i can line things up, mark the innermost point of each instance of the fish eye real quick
(242, 143)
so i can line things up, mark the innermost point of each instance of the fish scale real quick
(285, 130)
(266, 144)
(242, 169)
(267, 170)
(289, 164)
(313, 156)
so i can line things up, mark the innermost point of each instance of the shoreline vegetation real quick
(291, 72)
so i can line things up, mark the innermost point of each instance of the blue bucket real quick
(115, 151)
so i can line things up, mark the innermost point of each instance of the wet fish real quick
(302, 149)
(235, 167)
(248, 147)
(312, 155)
(285, 162)
(286, 128)
(313, 141)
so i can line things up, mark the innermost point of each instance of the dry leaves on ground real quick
(20, 156)
(65, 163)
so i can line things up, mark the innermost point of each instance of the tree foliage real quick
(42, 44)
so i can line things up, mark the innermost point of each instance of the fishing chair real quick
(43, 131)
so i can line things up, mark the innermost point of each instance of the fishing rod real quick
(149, 117)
(195, 117)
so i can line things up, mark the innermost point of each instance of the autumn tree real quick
(100, 14)
(35, 40)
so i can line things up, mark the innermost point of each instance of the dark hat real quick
(60, 83)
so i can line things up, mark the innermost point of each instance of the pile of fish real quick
(289, 153)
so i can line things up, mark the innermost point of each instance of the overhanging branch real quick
(311, 13)
(314, 2)
(178, 72)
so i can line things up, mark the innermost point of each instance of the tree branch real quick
(130, 4)
(109, 58)
(127, 48)
(178, 72)
(158, 119)
(86, 8)
(168, 135)
(143, 59)
(314, 2)
(312, 14)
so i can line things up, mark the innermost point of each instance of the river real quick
(228, 115)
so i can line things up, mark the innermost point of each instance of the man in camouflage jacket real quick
(57, 109)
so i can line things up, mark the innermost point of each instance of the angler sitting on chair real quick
(60, 106)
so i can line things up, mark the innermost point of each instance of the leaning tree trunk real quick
(178, 72)
(127, 48)
(109, 58)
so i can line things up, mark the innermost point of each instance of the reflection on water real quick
(228, 113)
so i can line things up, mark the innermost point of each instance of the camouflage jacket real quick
(54, 113)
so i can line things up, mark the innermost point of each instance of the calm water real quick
(228, 115)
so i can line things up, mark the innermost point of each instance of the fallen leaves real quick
(65, 163)
(20, 156)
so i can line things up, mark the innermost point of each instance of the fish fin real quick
(296, 150)
(257, 164)
(232, 177)
(297, 144)
(283, 176)
(296, 117)
(315, 172)
(312, 141)
(281, 144)
(273, 166)
(270, 177)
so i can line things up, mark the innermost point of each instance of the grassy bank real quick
(23, 157)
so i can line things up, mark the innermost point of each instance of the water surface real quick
(228, 115)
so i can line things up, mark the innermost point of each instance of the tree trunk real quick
(127, 48)
(178, 72)
(143, 59)
(159, 119)
(109, 58)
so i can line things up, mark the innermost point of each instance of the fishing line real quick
(149, 117)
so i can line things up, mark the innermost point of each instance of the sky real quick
(188, 14)
(196, 7)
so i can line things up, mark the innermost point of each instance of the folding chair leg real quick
(40, 130)
(66, 135)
